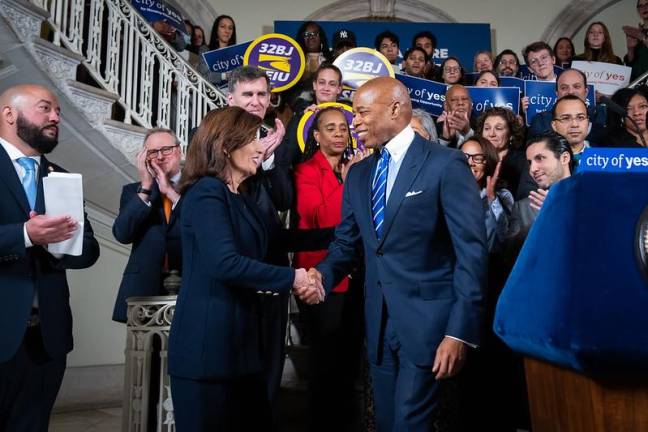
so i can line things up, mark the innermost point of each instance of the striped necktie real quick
(379, 192)
(29, 179)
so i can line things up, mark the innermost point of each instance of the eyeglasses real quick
(478, 158)
(164, 151)
(566, 119)
(539, 60)
(451, 69)
(309, 35)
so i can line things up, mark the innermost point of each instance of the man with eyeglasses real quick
(149, 219)
(571, 121)
(540, 58)
(507, 63)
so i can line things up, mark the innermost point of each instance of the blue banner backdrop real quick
(225, 59)
(614, 160)
(458, 40)
(159, 10)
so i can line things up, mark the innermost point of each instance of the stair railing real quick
(122, 52)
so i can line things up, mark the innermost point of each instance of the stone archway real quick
(383, 10)
(573, 17)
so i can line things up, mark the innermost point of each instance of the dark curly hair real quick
(516, 133)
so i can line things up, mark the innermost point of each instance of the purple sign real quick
(304, 127)
(359, 65)
(280, 57)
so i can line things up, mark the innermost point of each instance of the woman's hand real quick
(344, 167)
(491, 183)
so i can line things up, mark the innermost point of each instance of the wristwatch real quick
(141, 190)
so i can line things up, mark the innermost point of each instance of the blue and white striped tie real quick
(379, 192)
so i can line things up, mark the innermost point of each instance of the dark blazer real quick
(215, 331)
(430, 265)
(147, 229)
(24, 270)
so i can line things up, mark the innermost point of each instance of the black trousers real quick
(227, 405)
(334, 337)
(29, 383)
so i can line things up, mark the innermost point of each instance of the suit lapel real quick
(368, 179)
(9, 176)
(410, 167)
(43, 171)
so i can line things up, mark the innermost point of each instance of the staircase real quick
(132, 80)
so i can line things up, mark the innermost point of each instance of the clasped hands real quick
(308, 286)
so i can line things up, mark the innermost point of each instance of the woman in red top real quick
(334, 326)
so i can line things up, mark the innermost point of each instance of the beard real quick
(33, 135)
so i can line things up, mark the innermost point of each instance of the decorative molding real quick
(25, 18)
(127, 139)
(60, 62)
(398, 10)
(573, 17)
(96, 104)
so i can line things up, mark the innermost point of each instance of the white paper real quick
(606, 77)
(64, 196)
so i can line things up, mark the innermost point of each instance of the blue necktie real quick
(379, 192)
(29, 179)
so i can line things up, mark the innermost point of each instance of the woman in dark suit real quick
(215, 361)
(335, 326)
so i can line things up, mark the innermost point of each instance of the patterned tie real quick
(29, 179)
(379, 192)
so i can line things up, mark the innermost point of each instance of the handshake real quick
(308, 286)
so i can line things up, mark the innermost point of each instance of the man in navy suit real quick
(149, 214)
(414, 211)
(35, 319)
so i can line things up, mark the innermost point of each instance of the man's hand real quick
(537, 198)
(308, 289)
(273, 139)
(450, 358)
(458, 121)
(43, 230)
(146, 179)
(446, 132)
(525, 104)
(165, 186)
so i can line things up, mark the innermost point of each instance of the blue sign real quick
(470, 78)
(159, 10)
(542, 97)
(425, 94)
(488, 97)
(458, 40)
(225, 59)
(525, 73)
(614, 160)
(512, 82)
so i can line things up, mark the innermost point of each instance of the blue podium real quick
(576, 305)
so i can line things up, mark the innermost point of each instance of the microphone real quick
(624, 114)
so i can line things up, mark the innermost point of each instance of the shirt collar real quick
(397, 146)
(176, 178)
(14, 153)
